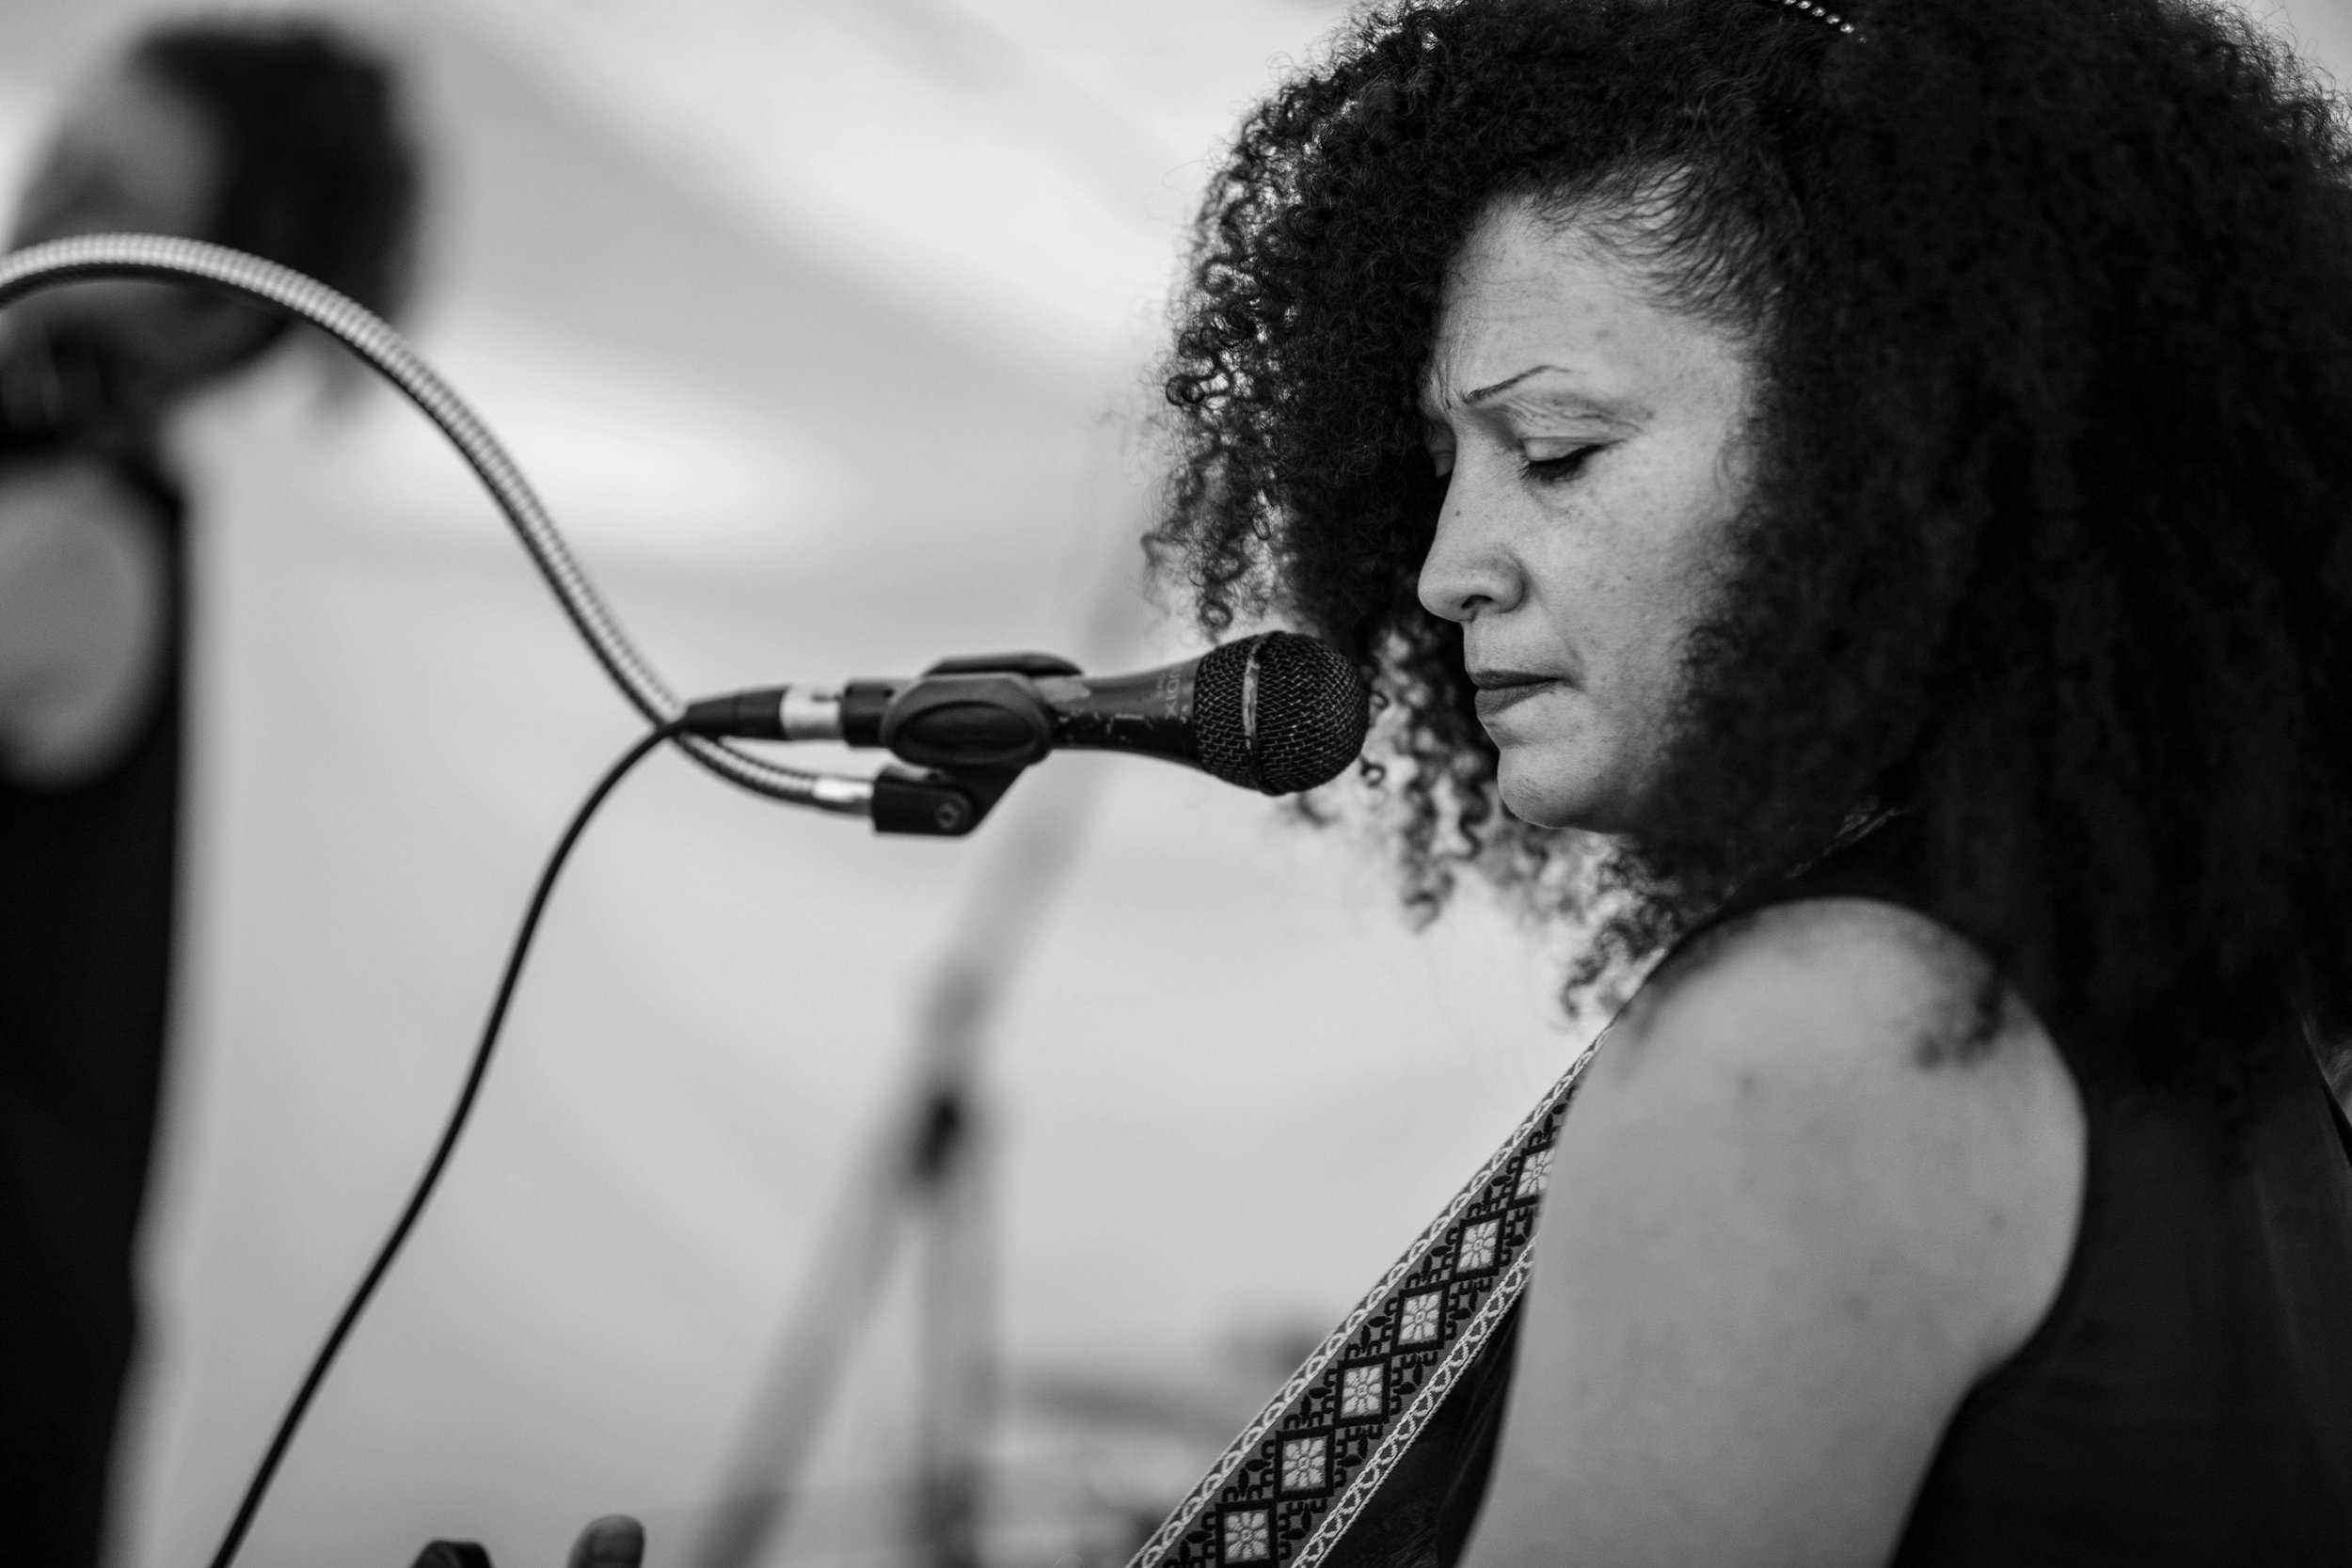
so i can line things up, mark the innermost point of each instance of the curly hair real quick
(2047, 545)
(319, 171)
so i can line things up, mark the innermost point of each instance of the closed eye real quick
(1556, 470)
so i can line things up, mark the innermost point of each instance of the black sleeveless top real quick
(2187, 1397)
(86, 877)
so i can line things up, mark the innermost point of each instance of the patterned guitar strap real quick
(1289, 1486)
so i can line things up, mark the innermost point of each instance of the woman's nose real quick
(1471, 569)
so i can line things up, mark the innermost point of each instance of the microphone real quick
(1277, 713)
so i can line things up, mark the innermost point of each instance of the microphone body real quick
(1275, 713)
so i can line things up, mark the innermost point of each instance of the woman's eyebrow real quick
(1485, 394)
(1434, 397)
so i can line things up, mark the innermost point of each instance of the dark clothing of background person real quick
(284, 137)
(87, 911)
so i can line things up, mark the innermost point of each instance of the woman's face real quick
(128, 157)
(131, 156)
(1591, 443)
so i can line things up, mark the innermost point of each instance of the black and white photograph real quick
(1227, 783)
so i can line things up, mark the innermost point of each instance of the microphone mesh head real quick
(1310, 705)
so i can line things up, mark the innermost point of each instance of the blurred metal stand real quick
(927, 1178)
(956, 1322)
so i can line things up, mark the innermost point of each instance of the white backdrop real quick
(821, 325)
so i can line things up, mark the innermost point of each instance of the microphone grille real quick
(1277, 712)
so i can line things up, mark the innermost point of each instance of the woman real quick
(1859, 508)
(277, 138)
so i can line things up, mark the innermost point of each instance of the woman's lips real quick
(1499, 690)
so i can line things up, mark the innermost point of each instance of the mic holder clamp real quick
(937, 802)
(967, 726)
(970, 724)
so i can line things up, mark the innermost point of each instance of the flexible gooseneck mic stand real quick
(946, 800)
(1280, 713)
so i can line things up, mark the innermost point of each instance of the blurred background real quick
(824, 327)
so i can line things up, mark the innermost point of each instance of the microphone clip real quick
(964, 731)
(937, 802)
(970, 726)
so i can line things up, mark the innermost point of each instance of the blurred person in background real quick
(1854, 511)
(286, 140)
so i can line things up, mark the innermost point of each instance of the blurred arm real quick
(1790, 1225)
(84, 604)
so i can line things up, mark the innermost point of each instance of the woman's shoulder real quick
(1851, 1034)
(1871, 1055)
(1858, 970)
(86, 609)
(1804, 1200)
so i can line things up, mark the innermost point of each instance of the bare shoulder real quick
(84, 601)
(1852, 974)
(1822, 1177)
(64, 518)
(1876, 1062)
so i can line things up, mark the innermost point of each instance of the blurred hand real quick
(614, 1540)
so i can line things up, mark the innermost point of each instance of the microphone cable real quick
(170, 258)
(421, 1194)
(92, 257)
